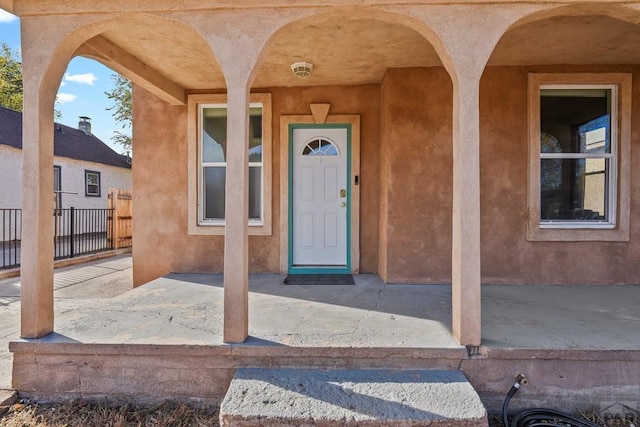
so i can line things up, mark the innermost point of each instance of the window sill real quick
(577, 233)
(218, 229)
(577, 226)
(221, 224)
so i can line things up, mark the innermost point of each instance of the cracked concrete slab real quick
(75, 287)
(293, 397)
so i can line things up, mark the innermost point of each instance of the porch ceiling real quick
(342, 51)
(570, 40)
(180, 55)
(359, 51)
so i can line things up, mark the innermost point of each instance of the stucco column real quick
(237, 39)
(236, 238)
(465, 55)
(466, 316)
(37, 196)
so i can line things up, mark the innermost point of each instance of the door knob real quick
(343, 204)
(343, 193)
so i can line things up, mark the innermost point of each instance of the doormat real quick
(319, 279)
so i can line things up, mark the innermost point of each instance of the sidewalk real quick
(73, 286)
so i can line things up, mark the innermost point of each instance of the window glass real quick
(574, 189)
(320, 147)
(575, 154)
(255, 192)
(214, 135)
(214, 179)
(213, 157)
(57, 187)
(574, 116)
(92, 180)
(255, 134)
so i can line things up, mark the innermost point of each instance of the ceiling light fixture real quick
(301, 69)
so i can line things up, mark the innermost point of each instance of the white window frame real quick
(616, 228)
(253, 222)
(87, 193)
(198, 225)
(57, 186)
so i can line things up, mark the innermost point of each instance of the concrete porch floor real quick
(187, 309)
(166, 337)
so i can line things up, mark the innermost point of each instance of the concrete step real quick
(310, 397)
(8, 397)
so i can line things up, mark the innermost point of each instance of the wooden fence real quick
(120, 231)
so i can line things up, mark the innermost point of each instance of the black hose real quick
(538, 416)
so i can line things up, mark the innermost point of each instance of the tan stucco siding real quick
(162, 243)
(406, 185)
(507, 256)
(417, 113)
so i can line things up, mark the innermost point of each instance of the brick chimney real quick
(85, 124)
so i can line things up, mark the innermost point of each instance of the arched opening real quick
(563, 75)
(384, 68)
(165, 60)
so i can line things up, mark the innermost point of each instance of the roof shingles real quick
(68, 142)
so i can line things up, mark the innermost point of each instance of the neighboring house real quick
(463, 142)
(84, 168)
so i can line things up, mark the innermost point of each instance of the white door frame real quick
(320, 116)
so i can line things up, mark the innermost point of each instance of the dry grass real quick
(80, 413)
(629, 419)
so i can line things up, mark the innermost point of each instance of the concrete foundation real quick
(577, 345)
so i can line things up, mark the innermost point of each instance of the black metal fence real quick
(76, 232)
(81, 231)
(10, 237)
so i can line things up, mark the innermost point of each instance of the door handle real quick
(343, 193)
(343, 204)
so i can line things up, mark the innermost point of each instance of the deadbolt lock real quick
(343, 204)
(343, 193)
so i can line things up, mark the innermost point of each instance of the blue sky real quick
(81, 91)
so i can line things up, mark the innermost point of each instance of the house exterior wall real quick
(10, 177)
(160, 205)
(416, 109)
(507, 255)
(406, 185)
(73, 180)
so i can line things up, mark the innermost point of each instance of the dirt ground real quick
(81, 413)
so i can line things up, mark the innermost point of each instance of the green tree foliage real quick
(10, 79)
(11, 92)
(122, 109)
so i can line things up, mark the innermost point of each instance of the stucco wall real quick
(416, 106)
(406, 185)
(507, 256)
(162, 243)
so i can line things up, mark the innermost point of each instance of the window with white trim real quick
(576, 184)
(213, 166)
(578, 141)
(92, 183)
(57, 187)
(207, 165)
